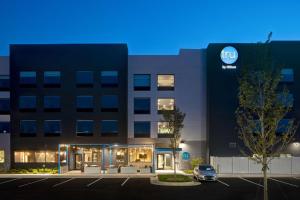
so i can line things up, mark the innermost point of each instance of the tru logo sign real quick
(229, 56)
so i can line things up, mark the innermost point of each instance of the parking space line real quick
(8, 181)
(58, 184)
(251, 182)
(223, 183)
(30, 183)
(95, 181)
(124, 182)
(284, 182)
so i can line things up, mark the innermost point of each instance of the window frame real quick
(84, 83)
(142, 88)
(83, 108)
(109, 85)
(141, 134)
(28, 134)
(160, 111)
(28, 109)
(54, 84)
(109, 133)
(165, 88)
(85, 133)
(109, 109)
(52, 109)
(52, 133)
(24, 84)
(136, 112)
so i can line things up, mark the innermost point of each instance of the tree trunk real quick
(265, 168)
(174, 163)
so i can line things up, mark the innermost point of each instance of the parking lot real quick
(140, 188)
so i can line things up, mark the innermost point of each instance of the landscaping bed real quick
(32, 171)
(171, 178)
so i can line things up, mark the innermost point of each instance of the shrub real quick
(196, 161)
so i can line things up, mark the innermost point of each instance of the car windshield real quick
(206, 168)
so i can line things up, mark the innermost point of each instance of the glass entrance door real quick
(164, 161)
(168, 161)
(160, 161)
(78, 161)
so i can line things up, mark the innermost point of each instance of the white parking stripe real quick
(58, 184)
(251, 182)
(8, 181)
(95, 181)
(223, 183)
(284, 182)
(125, 182)
(30, 183)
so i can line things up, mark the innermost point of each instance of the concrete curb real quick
(76, 175)
(155, 181)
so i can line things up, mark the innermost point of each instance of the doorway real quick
(78, 162)
(164, 161)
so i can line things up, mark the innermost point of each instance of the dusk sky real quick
(147, 26)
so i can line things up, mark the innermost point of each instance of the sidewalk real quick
(82, 175)
(256, 175)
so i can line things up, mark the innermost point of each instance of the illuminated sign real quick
(186, 156)
(229, 55)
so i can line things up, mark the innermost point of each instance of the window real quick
(109, 103)
(165, 104)
(36, 157)
(165, 82)
(52, 78)
(109, 78)
(84, 127)
(4, 127)
(84, 103)
(2, 156)
(141, 81)
(4, 82)
(28, 78)
(84, 78)
(141, 105)
(283, 125)
(27, 103)
(140, 155)
(4, 105)
(141, 129)
(28, 127)
(163, 129)
(109, 127)
(232, 145)
(287, 100)
(52, 127)
(287, 75)
(52, 103)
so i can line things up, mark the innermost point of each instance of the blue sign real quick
(229, 55)
(186, 156)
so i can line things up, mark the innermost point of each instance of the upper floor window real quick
(52, 78)
(109, 103)
(4, 82)
(286, 100)
(28, 127)
(283, 125)
(142, 81)
(142, 129)
(165, 104)
(85, 78)
(28, 78)
(142, 105)
(287, 75)
(4, 127)
(109, 127)
(52, 127)
(84, 127)
(165, 82)
(109, 78)
(84, 103)
(52, 103)
(27, 103)
(4, 105)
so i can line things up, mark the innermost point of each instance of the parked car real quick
(205, 173)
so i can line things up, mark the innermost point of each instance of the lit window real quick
(165, 82)
(28, 78)
(52, 127)
(24, 157)
(141, 105)
(84, 127)
(287, 75)
(35, 157)
(109, 127)
(84, 78)
(52, 103)
(84, 103)
(165, 104)
(109, 103)
(52, 78)
(140, 155)
(27, 103)
(163, 128)
(28, 127)
(141, 81)
(109, 78)
(2, 156)
(142, 129)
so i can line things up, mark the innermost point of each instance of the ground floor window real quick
(138, 155)
(2, 156)
(36, 156)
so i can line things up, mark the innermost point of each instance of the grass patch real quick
(32, 171)
(171, 178)
(188, 171)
